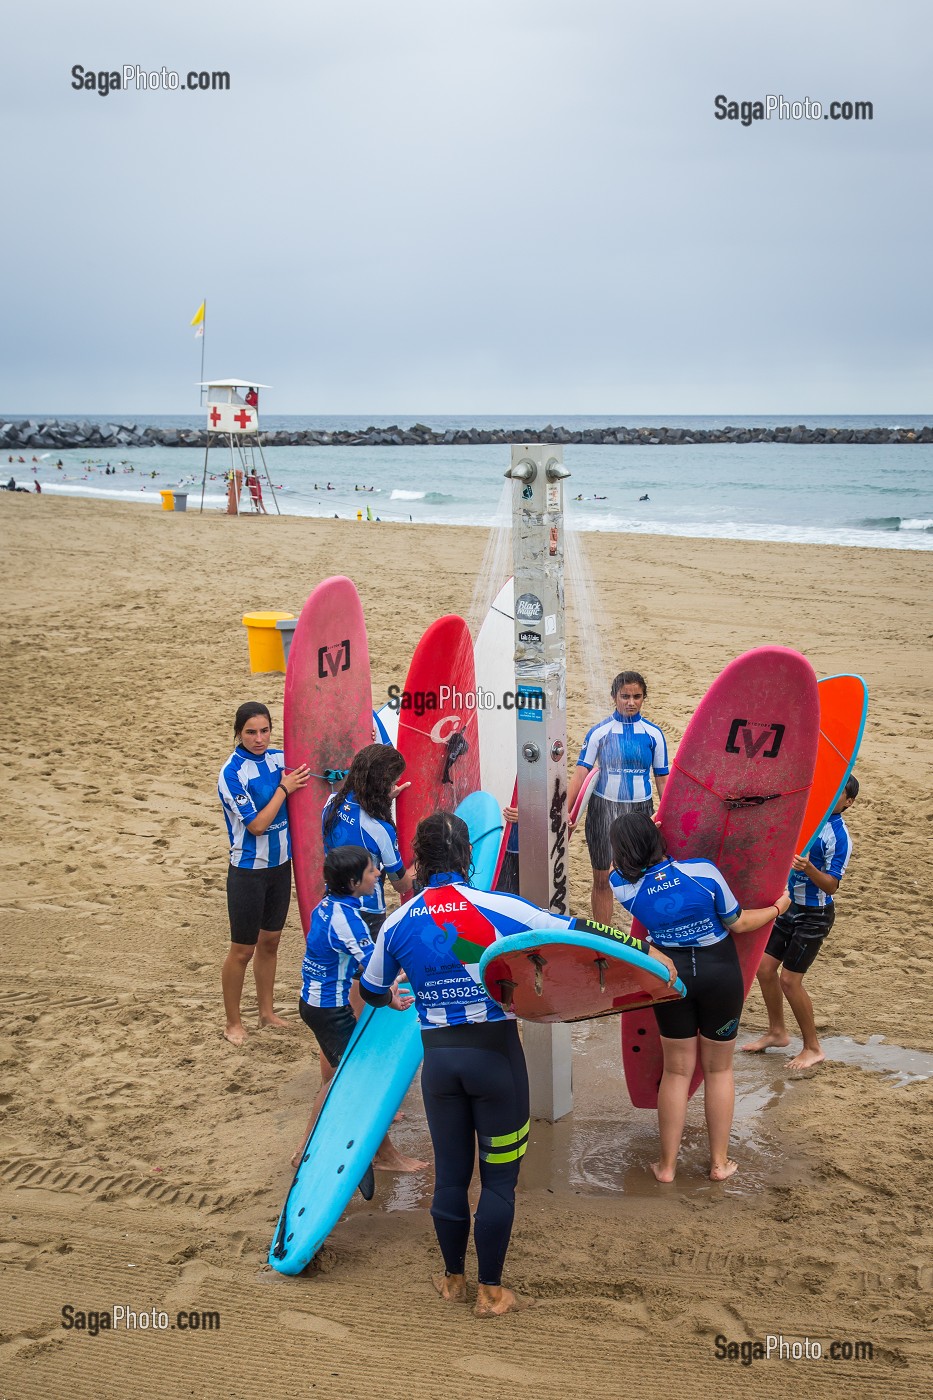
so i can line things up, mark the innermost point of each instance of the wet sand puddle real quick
(605, 1146)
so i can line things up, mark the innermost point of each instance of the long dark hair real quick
(636, 843)
(373, 773)
(246, 712)
(442, 842)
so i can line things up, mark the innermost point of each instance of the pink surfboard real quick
(736, 795)
(503, 844)
(441, 744)
(328, 717)
(578, 810)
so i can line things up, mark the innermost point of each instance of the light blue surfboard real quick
(371, 1081)
(483, 816)
(373, 1077)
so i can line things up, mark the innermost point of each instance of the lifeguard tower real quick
(233, 423)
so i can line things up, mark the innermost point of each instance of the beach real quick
(144, 1161)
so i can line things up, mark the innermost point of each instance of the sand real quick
(143, 1161)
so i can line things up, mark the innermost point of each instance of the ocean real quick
(851, 495)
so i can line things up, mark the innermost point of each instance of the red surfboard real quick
(566, 975)
(440, 744)
(328, 717)
(737, 794)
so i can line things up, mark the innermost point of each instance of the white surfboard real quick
(494, 653)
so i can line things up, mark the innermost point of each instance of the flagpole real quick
(203, 338)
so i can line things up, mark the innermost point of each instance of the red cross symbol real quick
(242, 418)
(215, 416)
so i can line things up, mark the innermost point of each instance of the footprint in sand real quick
(319, 1326)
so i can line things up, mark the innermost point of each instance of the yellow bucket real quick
(266, 652)
(168, 500)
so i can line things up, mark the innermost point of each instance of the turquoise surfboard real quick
(373, 1077)
(483, 816)
(371, 1081)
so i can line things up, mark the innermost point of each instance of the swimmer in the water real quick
(645, 497)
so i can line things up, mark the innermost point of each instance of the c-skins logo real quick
(755, 736)
(333, 659)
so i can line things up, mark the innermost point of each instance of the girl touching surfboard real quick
(689, 912)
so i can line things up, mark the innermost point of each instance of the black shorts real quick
(600, 814)
(715, 994)
(373, 921)
(798, 936)
(332, 1027)
(258, 899)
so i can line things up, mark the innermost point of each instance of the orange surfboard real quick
(843, 711)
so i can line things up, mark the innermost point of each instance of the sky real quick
(480, 207)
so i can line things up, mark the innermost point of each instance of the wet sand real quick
(143, 1161)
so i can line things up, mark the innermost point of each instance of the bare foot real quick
(496, 1301)
(663, 1174)
(273, 1020)
(393, 1161)
(806, 1059)
(766, 1041)
(235, 1034)
(450, 1287)
(399, 1117)
(722, 1173)
(296, 1160)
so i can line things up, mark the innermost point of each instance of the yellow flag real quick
(198, 316)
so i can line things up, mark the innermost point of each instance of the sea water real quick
(846, 494)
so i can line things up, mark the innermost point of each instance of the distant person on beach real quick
(255, 492)
(689, 912)
(337, 949)
(38, 488)
(253, 789)
(798, 936)
(628, 749)
(252, 398)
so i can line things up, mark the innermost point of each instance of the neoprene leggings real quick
(475, 1088)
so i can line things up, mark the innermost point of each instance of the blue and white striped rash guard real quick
(246, 785)
(628, 749)
(338, 943)
(682, 903)
(830, 853)
(354, 827)
(423, 938)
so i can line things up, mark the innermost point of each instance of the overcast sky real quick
(498, 206)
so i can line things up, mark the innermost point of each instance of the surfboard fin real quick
(601, 965)
(367, 1186)
(539, 964)
(506, 992)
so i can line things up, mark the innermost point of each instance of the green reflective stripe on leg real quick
(506, 1139)
(512, 1156)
